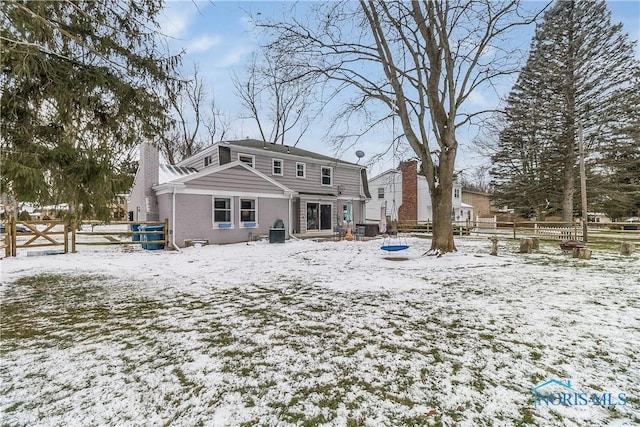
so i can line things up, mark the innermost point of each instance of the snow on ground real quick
(317, 333)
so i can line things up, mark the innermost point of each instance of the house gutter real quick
(290, 208)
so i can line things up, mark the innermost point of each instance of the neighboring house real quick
(598, 217)
(404, 196)
(480, 201)
(233, 190)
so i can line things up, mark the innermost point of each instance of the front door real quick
(318, 216)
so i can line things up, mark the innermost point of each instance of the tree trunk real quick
(569, 187)
(526, 245)
(442, 241)
(570, 123)
(494, 245)
(627, 248)
(442, 205)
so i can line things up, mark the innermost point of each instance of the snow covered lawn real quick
(317, 333)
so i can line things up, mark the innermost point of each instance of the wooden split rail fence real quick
(558, 231)
(62, 236)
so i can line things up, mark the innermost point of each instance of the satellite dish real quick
(359, 154)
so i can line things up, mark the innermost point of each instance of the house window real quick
(248, 212)
(326, 174)
(207, 161)
(381, 193)
(222, 212)
(277, 167)
(247, 158)
(456, 193)
(301, 170)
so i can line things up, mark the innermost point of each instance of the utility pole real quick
(583, 185)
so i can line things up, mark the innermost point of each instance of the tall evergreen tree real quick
(525, 158)
(78, 81)
(620, 160)
(580, 63)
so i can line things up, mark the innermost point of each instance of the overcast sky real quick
(217, 36)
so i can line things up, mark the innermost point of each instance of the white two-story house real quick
(402, 194)
(232, 190)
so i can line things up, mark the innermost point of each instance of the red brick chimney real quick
(408, 211)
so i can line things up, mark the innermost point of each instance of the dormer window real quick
(277, 167)
(327, 175)
(207, 161)
(301, 170)
(247, 158)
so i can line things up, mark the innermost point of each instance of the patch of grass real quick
(356, 422)
(436, 355)
(526, 418)
(478, 384)
(416, 421)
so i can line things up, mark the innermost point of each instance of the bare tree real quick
(476, 178)
(422, 60)
(189, 112)
(276, 97)
(217, 123)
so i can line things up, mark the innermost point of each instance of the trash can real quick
(157, 236)
(277, 233)
(135, 237)
(370, 230)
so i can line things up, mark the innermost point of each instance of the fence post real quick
(7, 239)
(14, 239)
(514, 229)
(66, 237)
(74, 226)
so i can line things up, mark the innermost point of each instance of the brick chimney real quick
(150, 174)
(408, 211)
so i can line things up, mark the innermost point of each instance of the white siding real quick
(389, 181)
(425, 209)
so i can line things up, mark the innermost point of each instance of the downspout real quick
(291, 236)
(173, 220)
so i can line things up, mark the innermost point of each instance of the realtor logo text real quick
(556, 393)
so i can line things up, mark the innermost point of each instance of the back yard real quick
(319, 333)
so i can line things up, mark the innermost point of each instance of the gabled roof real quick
(387, 172)
(212, 170)
(283, 149)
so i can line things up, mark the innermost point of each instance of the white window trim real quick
(383, 192)
(208, 162)
(253, 159)
(330, 176)
(304, 170)
(253, 224)
(222, 225)
(273, 165)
